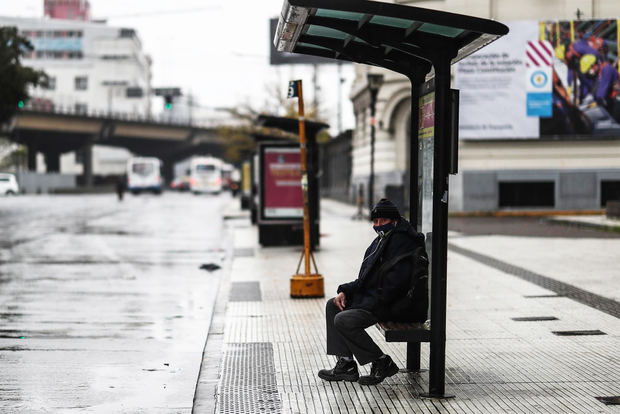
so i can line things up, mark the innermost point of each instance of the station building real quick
(93, 69)
(508, 159)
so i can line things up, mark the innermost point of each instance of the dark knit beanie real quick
(385, 209)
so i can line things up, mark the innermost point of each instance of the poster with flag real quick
(544, 78)
(539, 61)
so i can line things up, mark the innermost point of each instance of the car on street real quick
(8, 184)
(180, 183)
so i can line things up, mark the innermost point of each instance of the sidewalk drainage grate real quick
(534, 318)
(248, 383)
(609, 306)
(245, 292)
(244, 252)
(578, 333)
(615, 400)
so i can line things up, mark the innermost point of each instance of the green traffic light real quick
(20, 104)
(168, 106)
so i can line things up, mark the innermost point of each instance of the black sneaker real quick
(343, 371)
(380, 370)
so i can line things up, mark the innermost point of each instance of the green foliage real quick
(12, 156)
(15, 78)
(240, 143)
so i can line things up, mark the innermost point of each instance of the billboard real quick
(544, 79)
(281, 193)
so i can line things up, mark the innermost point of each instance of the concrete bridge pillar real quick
(32, 157)
(52, 161)
(168, 170)
(87, 162)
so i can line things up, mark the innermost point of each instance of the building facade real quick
(93, 68)
(67, 9)
(563, 172)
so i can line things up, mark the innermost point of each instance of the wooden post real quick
(306, 285)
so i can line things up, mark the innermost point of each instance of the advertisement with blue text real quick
(545, 79)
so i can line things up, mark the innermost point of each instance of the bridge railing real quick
(46, 105)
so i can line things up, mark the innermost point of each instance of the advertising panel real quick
(543, 79)
(281, 187)
(426, 136)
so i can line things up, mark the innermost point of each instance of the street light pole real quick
(374, 84)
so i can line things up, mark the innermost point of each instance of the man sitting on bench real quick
(383, 291)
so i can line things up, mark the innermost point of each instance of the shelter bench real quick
(411, 333)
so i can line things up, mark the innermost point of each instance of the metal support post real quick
(52, 161)
(32, 157)
(375, 81)
(414, 169)
(371, 180)
(440, 227)
(413, 356)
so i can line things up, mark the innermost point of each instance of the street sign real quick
(293, 89)
(168, 92)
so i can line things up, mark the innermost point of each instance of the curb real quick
(528, 213)
(584, 224)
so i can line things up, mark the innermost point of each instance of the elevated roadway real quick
(55, 133)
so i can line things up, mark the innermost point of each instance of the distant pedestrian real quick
(388, 288)
(120, 187)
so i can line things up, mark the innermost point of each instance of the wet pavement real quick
(532, 324)
(103, 305)
(114, 308)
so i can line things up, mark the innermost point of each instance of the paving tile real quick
(493, 363)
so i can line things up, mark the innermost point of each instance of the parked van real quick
(8, 184)
(144, 174)
(205, 175)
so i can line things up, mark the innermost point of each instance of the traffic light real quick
(20, 104)
(168, 102)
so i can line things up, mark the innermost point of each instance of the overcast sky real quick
(217, 50)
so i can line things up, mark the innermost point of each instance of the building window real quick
(51, 83)
(134, 92)
(81, 83)
(610, 191)
(81, 108)
(526, 194)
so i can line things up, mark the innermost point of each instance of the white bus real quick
(205, 175)
(144, 174)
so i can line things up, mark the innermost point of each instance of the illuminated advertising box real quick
(280, 189)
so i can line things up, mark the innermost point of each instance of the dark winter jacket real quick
(365, 292)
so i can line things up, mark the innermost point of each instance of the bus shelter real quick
(421, 44)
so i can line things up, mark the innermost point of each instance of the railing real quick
(46, 105)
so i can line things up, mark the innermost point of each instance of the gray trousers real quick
(346, 335)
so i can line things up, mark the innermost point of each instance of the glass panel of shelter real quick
(314, 30)
(392, 21)
(440, 30)
(339, 14)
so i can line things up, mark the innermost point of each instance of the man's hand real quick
(340, 301)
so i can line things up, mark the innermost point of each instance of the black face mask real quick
(384, 229)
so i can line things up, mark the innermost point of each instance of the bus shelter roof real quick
(401, 38)
(290, 124)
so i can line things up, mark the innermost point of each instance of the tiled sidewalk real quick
(272, 346)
